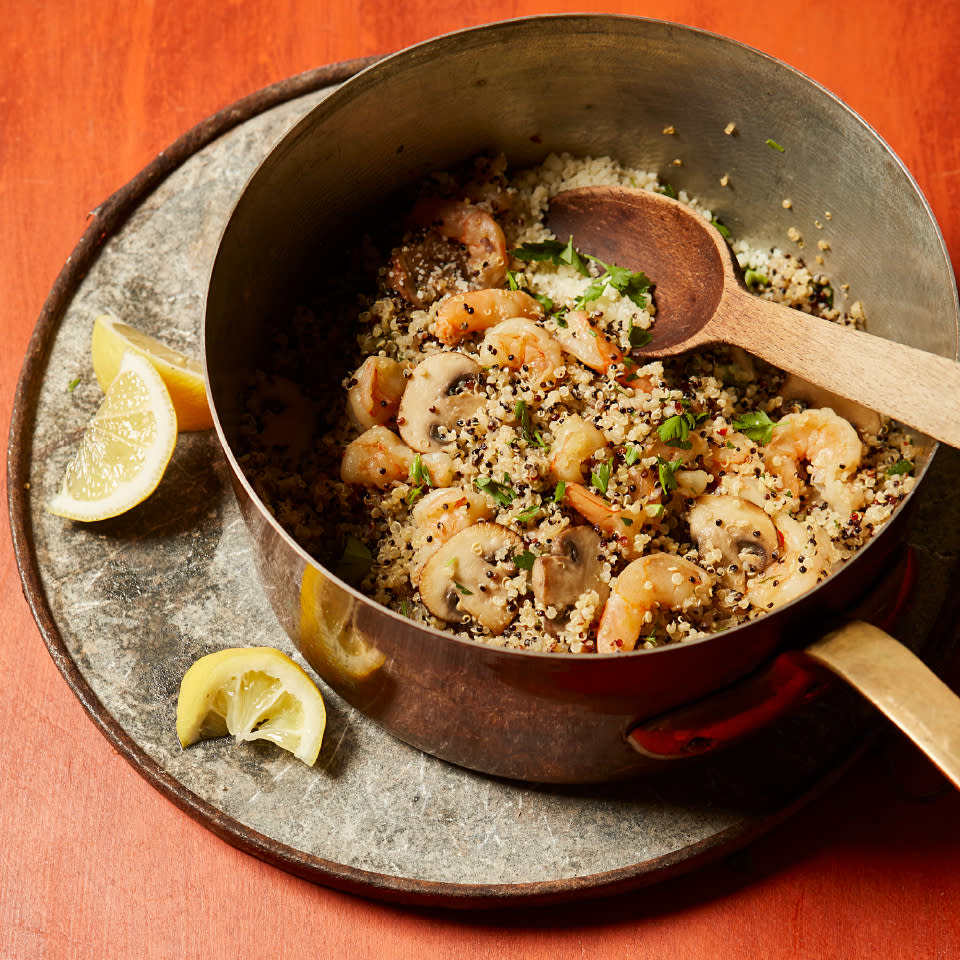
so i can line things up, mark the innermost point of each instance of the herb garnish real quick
(503, 493)
(668, 190)
(559, 492)
(525, 560)
(675, 430)
(753, 278)
(722, 228)
(899, 468)
(528, 513)
(419, 476)
(637, 336)
(463, 589)
(667, 473)
(757, 426)
(522, 413)
(600, 478)
(631, 455)
(773, 145)
(72, 385)
(633, 286)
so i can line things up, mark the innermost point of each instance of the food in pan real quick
(508, 467)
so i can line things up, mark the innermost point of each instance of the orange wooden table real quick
(93, 861)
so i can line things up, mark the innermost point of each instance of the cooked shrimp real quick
(374, 397)
(656, 580)
(574, 442)
(379, 458)
(616, 523)
(805, 559)
(442, 513)
(520, 344)
(458, 220)
(465, 313)
(583, 340)
(831, 448)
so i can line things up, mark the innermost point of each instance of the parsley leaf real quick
(559, 492)
(600, 478)
(528, 513)
(552, 251)
(463, 589)
(723, 229)
(668, 190)
(503, 493)
(633, 286)
(522, 413)
(637, 336)
(757, 426)
(73, 384)
(774, 145)
(899, 468)
(419, 476)
(525, 560)
(667, 473)
(675, 430)
(753, 278)
(631, 455)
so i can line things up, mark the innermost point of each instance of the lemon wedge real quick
(254, 693)
(125, 448)
(182, 375)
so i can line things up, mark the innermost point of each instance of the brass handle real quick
(899, 684)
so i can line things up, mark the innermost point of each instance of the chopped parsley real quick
(675, 430)
(522, 413)
(528, 513)
(667, 473)
(753, 278)
(525, 560)
(668, 190)
(631, 455)
(355, 561)
(463, 589)
(774, 145)
(637, 336)
(559, 492)
(757, 426)
(503, 493)
(723, 229)
(419, 477)
(899, 468)
(73, 384)
(553, 251)
(600, 478)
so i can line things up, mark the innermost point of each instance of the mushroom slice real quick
(570, 570)
(734, 535)
(441, 390)
(468, 575)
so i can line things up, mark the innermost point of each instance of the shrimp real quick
(465, 313)
(374, 396)
(574, 442)
(829, 445)
(616, 523)
(520, 344)
(581, 339)
(656, 580)
(475, 229)
(805, 559)
(379, 458)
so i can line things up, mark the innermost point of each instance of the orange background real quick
(93, 861)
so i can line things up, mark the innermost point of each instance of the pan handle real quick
(900, 685)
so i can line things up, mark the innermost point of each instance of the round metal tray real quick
(126, 605)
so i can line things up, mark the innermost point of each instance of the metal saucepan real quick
(588, 84)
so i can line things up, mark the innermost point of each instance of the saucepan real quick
(590, 85)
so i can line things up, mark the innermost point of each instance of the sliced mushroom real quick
(865, 419)
(734, 535)
(441, 391)
(468, 575)
(378, 385)
(570, 570)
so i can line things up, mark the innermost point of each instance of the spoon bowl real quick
(701, 299)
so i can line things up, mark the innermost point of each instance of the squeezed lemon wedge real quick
(253, 693)
(182, 375)
(125, 448)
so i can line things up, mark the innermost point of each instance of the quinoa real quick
(548, 445)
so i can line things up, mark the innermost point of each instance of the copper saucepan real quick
(587, 84)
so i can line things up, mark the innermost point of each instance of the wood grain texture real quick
(95, 863)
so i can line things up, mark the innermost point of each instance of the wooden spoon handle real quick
(917, 388)
(897, 682)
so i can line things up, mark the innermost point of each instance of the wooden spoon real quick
(701, 299)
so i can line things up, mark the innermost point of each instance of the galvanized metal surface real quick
(126, 605)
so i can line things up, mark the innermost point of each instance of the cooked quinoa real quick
(534, 483)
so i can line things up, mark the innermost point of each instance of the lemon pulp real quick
(253, 693)
(182, 375)
(125, 448)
